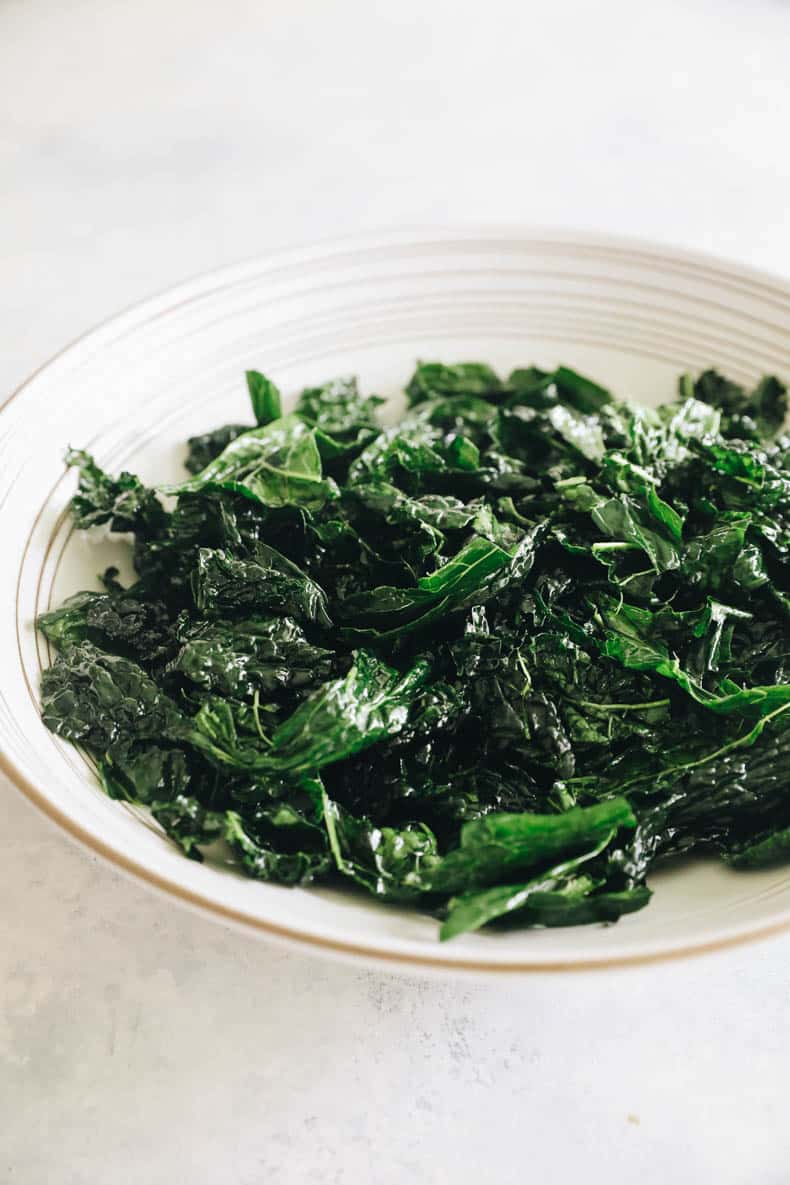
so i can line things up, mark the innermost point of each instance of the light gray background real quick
(143, 142)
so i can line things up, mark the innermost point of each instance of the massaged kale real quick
(491, 662)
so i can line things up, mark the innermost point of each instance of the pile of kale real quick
(492, 661)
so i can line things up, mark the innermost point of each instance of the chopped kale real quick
(491, 663)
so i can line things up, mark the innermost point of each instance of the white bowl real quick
(632, 315)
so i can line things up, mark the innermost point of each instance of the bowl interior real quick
(133, 391)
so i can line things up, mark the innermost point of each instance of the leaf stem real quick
(615, 546)
(655, 703)
(739, 742)
(256, 704)
(331, 830)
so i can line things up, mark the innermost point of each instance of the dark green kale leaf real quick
(653, 527)
(755, 416)
(758, 851)
(123, 502)
(496, 848)
(341, 718)
(122, 621)
(341, 411)
(406, 456)
(579, 391)
(264, 397)
(558, 898)
(147, 773)
(631, 639)
(206, 447)
(218, 731)
(266, 863)
(266, 406)
(245, 658)
(276, 465)
(269, 582)
(434, 379)
(394, 864)
(215, 521)
(347, 715)
(190, 824)
(388, 612)
(100, 700)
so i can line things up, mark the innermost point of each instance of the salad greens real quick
(493, 662)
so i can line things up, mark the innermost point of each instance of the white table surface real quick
(140, 143)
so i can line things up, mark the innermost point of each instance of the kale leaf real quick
(276, 465)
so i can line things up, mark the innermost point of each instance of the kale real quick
(345, 419)
(491, 663)
(266, 862)
(223, 584)
(392, 612)
(238, 659)
(123, 503)
(276, 465)
(121, 621)
(206, 447)
(266, 406)
(102, 700)
(264, 397)
(496, 847)
(756, 415)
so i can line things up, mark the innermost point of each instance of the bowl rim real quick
(203, 283)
